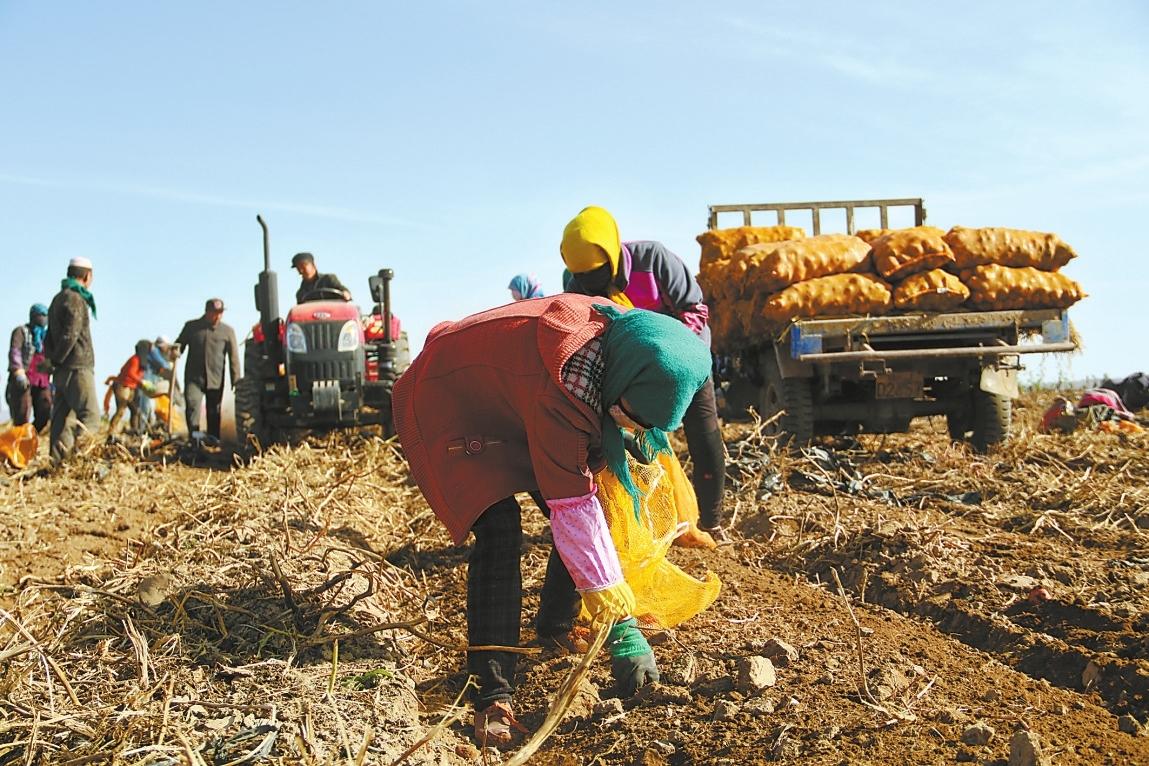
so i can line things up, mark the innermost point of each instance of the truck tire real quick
(250, 430)
(991, 418)
(793, 398)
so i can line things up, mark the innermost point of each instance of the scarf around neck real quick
(72, 284)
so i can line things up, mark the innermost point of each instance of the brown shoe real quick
(496, 726)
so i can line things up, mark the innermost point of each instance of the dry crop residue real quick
(308, 607)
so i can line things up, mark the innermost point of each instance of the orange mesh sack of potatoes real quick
(933, 290)
(994, 287)
(1008, 247)
(869, 235)
(902, 252)
(836, 295)
(777, 265)
(720, 244)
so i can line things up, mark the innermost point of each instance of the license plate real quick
(899, 385)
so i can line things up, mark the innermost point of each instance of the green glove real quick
(631, 658)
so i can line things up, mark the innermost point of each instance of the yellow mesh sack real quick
(934, 290)
(1002, 288)
(666, 596)
(902, 252)
(718, 244)
(773, 266)
(837, 295)
(1008, 247)
(19, 444)
(686, 503)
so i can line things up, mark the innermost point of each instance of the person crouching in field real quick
(534, 397)
(126, 387)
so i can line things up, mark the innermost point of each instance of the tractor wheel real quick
(790, 402)
(402, 354)
(991, 419)
(250, 430)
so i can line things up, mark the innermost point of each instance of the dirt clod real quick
(725, 710)
(1025, 750)
(779, 652)
(755, 674)
(681, 671)
(978, 734)
(1130, 725)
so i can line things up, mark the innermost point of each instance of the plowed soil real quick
(981, 594)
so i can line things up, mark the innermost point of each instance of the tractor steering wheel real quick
(324, 294)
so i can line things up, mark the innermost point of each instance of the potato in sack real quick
(832, 296)
(782, 264)
(933, 290)
(1001, 288)
(1008, 247)
(903, 252)
(718, 244)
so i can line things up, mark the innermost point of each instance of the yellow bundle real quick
(773, 266)
(19, 444)
(902, 252)
(666, 596)
(999, 288)
(934, 290)
(720, 244)
(869, 235)
(837, 295)
(1008, 247)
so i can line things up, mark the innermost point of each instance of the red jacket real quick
(482, 412)
(131, 374)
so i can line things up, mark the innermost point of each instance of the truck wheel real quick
(991, 418)
(959, 422)
(793, 398)
(250, 430)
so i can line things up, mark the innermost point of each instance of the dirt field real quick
(308, 608)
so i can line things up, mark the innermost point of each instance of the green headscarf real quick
(73, 284)
(658, 364)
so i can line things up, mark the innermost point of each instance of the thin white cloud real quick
(848, 57)
(196, 198)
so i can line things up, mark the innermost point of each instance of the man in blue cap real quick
(29, 392)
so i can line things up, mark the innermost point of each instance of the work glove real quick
(631, 659)
(609, 604)
(21, 379)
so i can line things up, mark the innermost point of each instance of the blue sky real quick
(452, 141)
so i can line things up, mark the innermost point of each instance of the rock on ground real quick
(1025, 750)
(755, 674)
(979, 733)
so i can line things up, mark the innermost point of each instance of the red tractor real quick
(324, 366)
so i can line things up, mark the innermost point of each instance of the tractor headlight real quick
(295, 339)
(349, 336)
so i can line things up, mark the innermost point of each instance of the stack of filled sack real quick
(758, 279)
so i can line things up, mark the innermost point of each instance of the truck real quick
(875, 374)
(325, 365)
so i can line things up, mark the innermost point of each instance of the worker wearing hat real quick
(72, 358)
(647, 275)
(316, 286)
(211, 346)
(157, 367)
(29, 391)
(534, 396)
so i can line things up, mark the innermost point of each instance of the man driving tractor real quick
(316, 286)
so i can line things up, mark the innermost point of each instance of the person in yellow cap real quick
(647, 275)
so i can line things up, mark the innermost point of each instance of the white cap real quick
(162, 340)
(80, 261)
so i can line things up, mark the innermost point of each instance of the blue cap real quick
(38, 309)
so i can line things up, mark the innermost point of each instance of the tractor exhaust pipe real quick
(386, 275)
(267, 291)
